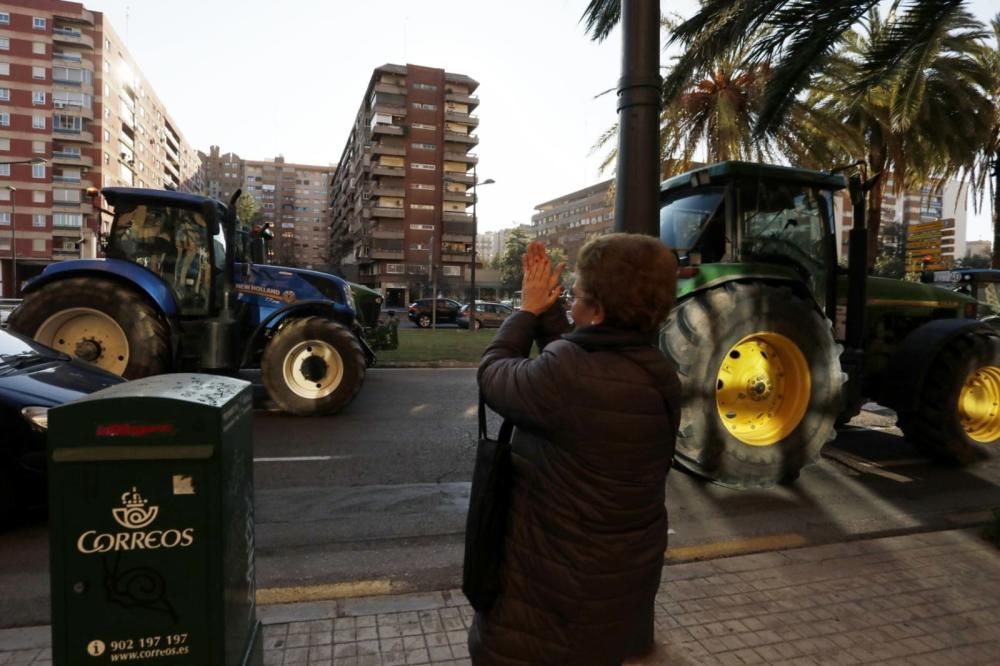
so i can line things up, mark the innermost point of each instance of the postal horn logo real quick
(134, 514)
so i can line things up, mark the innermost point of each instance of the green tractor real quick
(777, 344)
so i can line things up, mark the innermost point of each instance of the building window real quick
(38, 73)
(5, 219)
(423, 146)
(38, 196)
(4, 69)
(37, 122)
(38, 48)
(424, 107)
(67, 220)
(422, 227)
(424, 86)
(39, 147)
(4, 44)
(38, 220)
(4, 169)
(4, 143)
(4, 94)
(38, 97)
(414, 206)
(395, 269)
(4, 18)
(38, 171)
(451, 271)
(423, 126)
(423, 166)
(38, 23)
(4, 119)
(38, 244)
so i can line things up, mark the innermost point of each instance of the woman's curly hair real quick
(632, 276)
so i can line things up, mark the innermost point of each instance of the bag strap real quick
(506, 428)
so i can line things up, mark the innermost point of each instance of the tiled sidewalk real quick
(918, 599)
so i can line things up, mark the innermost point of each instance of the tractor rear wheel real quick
(761, 383)
(313, 366)
(958, 413)
(99, 321)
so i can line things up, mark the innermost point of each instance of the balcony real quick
(378, 170)
(390, 109)
(470, 139)
(74, 159)
(85, 17)
(379, 149)
(388, 130)
(71, 37)
(73, 135)
(455, 216)
(388, 191)
(378, 211)
(461, 98)
(464, 118)
(390, 88)
(386, 254)
(463, 258)
(388, 234)
(461, 157)
(67, 57)
(458, 196)
(458, 177)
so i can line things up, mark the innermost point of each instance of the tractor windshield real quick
(171, 242)
(783, 221)
(688, 220)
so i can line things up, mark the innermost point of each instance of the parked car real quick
(34, 378)
(489, 315)
(420, 311)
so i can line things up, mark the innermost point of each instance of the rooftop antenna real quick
(127, 8)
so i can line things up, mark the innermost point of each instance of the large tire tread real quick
(147, 333)
(696, 336)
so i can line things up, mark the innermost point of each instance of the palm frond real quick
(601, 16)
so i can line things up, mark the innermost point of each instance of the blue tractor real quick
(178, 292)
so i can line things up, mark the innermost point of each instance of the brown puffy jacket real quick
(594, 418)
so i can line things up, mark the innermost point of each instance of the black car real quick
(34, 378)
(420, 311)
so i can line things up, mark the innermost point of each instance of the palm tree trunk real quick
(873, 214)
(995, 263)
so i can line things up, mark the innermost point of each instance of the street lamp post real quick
(13, 239)
(475, 232)
(13, 220)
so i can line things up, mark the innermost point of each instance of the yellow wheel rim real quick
(763, 388)
(979, 405)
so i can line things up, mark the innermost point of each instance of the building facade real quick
(223, 173)
(571, 220)
(71, 94)
(404, 185)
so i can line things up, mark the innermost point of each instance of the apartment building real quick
(404, 184)
(223, 173)
(932, 222)
(71, 95)
(571, 220)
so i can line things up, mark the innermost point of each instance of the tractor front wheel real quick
(761, 383)
(958, 413)
(313, 366)
(99, 321)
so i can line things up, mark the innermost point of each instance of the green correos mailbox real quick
(152, 524)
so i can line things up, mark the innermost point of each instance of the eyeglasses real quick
(574, 297)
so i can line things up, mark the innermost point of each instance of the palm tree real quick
(923, 123)
(985, 170)
(796, 35)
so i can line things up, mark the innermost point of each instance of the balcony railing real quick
(67, 36)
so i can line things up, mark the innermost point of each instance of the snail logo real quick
(134, 514)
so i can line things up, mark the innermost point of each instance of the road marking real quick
(301, 458)
(864, 466)
(735, 547)
(355, 588)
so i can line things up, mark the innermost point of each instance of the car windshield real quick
(18, 352)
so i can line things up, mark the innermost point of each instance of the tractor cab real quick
(178, 237)
(737, 212)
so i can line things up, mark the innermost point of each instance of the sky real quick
(263, 78)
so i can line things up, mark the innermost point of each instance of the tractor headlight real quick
(349, 298)
(37, 416)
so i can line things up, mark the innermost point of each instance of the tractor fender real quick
(125, 272)
(702, 282)
(311, 308)
(913, 357)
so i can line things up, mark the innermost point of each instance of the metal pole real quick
(472, 273)
(434, 281)
(13, 239)
(638, 176)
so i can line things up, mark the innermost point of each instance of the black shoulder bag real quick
(486, 523)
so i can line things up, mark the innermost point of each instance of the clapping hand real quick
(540, 287)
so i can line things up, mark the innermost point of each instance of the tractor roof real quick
(723, 172)
(164, 197)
